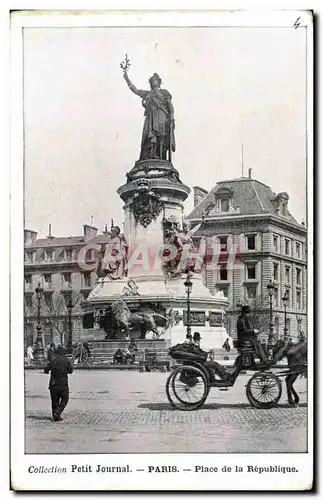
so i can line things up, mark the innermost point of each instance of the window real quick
(287, 275)
(251, 272)
(275, 273)
(28, 300)
(298, 299)
(30, 256)
(251, 294)
(299, 325)
(67, 280)
(275, 241)
(275, 297)
(87, 279)
(223, 240)
(277, 326)
(252, 291)
(68, 254)
(223, 205)
(28, 281)
(298, 277)
(49, 256)
(287, 246)
(223, 274)
(48, 300)
(89, 256)
(298, 250)
(47, 280)
(287, 294)
(251, 242)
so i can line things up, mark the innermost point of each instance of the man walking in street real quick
(59, 366)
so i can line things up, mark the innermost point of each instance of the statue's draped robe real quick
(157, 136)
(114, 258)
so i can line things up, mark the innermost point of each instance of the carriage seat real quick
(243, 346)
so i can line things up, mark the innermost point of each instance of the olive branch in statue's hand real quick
(125, 65)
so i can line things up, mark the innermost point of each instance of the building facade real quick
(56, 264)
(252, 241)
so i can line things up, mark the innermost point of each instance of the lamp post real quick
(188, 285)
(70, 306)
(39, 350)
(270, 288)
(285, 300)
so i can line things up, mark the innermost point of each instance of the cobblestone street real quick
(128, 412)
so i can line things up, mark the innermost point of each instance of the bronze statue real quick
(113, 258)
(158, 137)
(186, 252)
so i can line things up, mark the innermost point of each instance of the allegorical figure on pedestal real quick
(186, 252)
(113, 257)
(158, 137)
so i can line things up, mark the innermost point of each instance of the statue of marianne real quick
(158, 132)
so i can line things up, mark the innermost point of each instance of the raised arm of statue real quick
(132, 86)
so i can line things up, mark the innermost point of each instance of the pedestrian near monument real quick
(59, 367)
(51, 351)
(30, 354)
(226, 346)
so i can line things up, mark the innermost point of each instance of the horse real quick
(142, 320)
(297, 363)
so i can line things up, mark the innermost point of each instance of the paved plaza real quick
(128, 412)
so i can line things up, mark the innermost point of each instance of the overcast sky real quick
(83, 125)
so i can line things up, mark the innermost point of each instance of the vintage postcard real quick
(161, 321)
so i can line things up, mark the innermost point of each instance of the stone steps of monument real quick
(123, 344)
(105, 350)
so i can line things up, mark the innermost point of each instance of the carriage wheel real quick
(76, 352)
(264, 390)
(187, 388)
(84, 355)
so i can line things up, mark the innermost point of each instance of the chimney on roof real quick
(249, 172)
(89, 232)
(105, 231)
(49, 231)
(29, 236)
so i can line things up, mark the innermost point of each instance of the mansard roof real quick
(68, 241)
(249, 195)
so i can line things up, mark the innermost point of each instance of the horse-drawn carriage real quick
(190, 382)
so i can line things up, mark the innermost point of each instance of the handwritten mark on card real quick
(297, 23)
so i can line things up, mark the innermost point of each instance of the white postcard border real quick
(137, 480)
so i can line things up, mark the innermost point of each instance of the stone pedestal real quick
(152, 194)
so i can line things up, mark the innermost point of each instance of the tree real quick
(57, 311)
